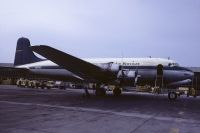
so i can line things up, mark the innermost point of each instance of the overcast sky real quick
(105, 28)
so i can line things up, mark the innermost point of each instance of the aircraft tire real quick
(172, 95)
(117, 91)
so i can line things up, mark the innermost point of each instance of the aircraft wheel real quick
(172, 95)
(100, 92)
(117, 91)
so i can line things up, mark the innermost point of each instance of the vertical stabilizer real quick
(23, 54)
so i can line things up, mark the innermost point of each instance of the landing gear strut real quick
(87, 92)
(172, 95)
(117, 91)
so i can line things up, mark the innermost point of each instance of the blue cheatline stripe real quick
(125, 67)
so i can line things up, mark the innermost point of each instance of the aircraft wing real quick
(84, 69)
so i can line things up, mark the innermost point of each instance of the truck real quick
(40, 84)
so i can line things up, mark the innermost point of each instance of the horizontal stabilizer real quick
(12, 72)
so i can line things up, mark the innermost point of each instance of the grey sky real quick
(105, 28)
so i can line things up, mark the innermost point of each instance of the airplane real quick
(119, 72)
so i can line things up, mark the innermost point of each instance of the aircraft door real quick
(160, 70)
(159, 76)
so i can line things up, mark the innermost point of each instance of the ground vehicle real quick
(49, 84)
(35, 83)
(193, 92)
(22, 82)
(60, 85)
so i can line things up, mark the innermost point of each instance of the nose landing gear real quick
(172, 95)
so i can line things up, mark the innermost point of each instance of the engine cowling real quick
(109, 66)
(126, 74)
(128, 77)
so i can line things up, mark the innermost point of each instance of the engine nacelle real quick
(109, 66)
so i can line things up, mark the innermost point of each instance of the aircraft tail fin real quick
(24, 54)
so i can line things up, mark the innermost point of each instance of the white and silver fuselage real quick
(146, 68)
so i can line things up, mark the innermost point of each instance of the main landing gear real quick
(101, 91)
(117, 91)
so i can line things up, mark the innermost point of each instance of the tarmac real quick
(26, 110)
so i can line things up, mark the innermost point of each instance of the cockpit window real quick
(173, 64)
(169, 64)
